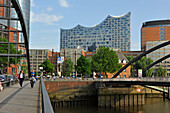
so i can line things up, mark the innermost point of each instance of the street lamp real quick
(41, 70)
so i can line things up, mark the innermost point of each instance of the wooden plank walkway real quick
(20, 100)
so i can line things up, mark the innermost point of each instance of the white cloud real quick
(49, 9)
(32, 3)
(63, 3)
(45, 18)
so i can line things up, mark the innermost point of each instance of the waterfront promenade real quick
(20, 100)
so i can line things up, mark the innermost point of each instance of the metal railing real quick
(11, 82)
(46, 104)
(8, 83)
(149, 79)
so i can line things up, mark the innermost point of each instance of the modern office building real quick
(159, 54)
(38, 56)
(53, 57)
(113, 32)
(74, 54)
(11, 27)
(154, 31)
(25, 7)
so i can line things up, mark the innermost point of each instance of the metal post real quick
(64, 59)
(9, 25)
(52, 56)
(169, 93)
(52, 59)
(59, 63)
(17, 45)
(75, 64)
(163, 93)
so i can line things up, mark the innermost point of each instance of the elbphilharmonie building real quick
(113, 32)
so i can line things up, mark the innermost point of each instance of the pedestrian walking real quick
(32, 79)
(21, 77)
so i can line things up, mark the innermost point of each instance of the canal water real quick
(152, 105)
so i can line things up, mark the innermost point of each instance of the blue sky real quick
(48, 16)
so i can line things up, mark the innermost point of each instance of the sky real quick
(48, 16)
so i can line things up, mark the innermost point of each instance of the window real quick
(40, 52)
(15, 36)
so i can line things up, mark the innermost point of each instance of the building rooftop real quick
(96, 25)
(156, 23)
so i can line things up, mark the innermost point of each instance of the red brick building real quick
(154, 31)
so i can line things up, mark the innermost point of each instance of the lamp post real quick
(75, 63)
(41, 70)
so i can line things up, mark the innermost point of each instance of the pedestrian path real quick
(20, 100)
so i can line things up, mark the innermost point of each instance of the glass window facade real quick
(160, 53)
(113, 32)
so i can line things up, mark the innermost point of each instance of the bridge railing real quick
(8, 83)
(160, 79)
(154, 79)
(46, 104)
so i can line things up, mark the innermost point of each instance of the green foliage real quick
(56, 74)
(130, 58)
(143, 63)
(24, 67)
(67, 67)
(105, 60)
(160, 72)
(4, 50)
(47, 66)
(83, 66)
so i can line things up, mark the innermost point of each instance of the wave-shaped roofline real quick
(99, 23)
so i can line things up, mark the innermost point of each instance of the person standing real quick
(21, 78)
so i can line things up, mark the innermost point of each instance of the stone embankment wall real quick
(71, 93)
(74, 93)
(117, 97)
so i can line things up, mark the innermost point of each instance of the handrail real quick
(46, 104)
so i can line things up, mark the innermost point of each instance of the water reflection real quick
(152, 105)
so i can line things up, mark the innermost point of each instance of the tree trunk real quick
(106, 75)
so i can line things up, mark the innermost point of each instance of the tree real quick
(67, 67)
(143, 63)
(24, 67)
(47, 66)
(160, 72)
(4, 50)
(130, 58)
(83, 66)
(105, 60)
